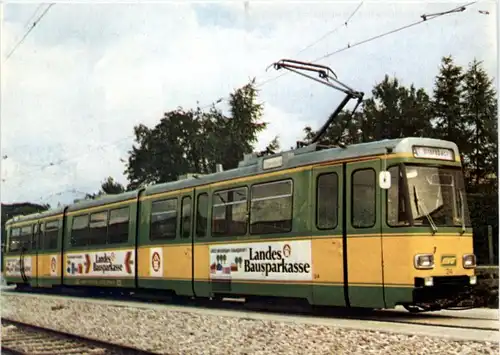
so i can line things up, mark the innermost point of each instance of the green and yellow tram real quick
(368, 225)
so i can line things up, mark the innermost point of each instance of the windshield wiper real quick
(424, 210)
(462, 210)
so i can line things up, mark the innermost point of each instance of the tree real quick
(238, 133)
(108, 187)
(480, 115)
(273, 147)
(395, 111)
(346, 129)
(447, 108)
(169, 149)
(194, 141)
(111, 187)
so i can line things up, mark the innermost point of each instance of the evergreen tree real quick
(393, 111)
(447, 107)
(480, 115)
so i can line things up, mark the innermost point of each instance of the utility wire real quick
(349, 46)
(33, 15)
(62, 161)
(332, 31)
(299, 52)
(424, 19)
(29, 30)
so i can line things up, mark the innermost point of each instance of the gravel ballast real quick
(173, 332)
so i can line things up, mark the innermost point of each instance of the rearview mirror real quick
(384, 180)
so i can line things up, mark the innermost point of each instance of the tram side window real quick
(363, 191)
(41, 237)
(271, 207)
(202, 215)
(36, 244)
(164, 219)
(327, 201)
(98, 228)
(118, 225)
(50, 233)
(229, 212)
(15, 240)
(26, 237)
(186, 217)
(396, 204)
(80, 230)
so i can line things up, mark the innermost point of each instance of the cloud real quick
(88, 73)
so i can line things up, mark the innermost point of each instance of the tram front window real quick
(425, 195)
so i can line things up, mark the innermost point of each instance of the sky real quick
(88, 73)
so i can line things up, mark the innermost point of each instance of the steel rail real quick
(26, 336)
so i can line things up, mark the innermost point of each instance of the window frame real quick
(189, 217)
(14, 238)
(292, 200)
(404, 191)
(35, 238)
(353, 173)
(318, 177)
(176, 199)
(208, 216)
(232, 203)
(108, 224)
(43, 229)
(87, 228)
(29, 242)
(90, 227)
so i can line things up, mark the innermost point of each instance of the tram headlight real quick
(423, 261)
(469, 261)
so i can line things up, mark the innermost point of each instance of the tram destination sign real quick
(422, 152)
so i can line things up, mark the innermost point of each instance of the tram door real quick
(35, 248)
(327, 221)
(363, 234)
(26, 255)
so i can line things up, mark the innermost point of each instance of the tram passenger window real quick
(80, 231)
(41, 237)
(50, 234)
(327, 201)
(202, 215)
(15, 240)
(164, 219)
(35, 244)
(396, 204)
(229, 212)
(118, 225)
(26, 237)
(271, 207)
(98, 228)
(186, 217)
(363, 207)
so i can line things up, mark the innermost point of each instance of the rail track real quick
(452, 319)
(20, 338)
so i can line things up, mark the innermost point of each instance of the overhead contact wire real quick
(37, 21)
